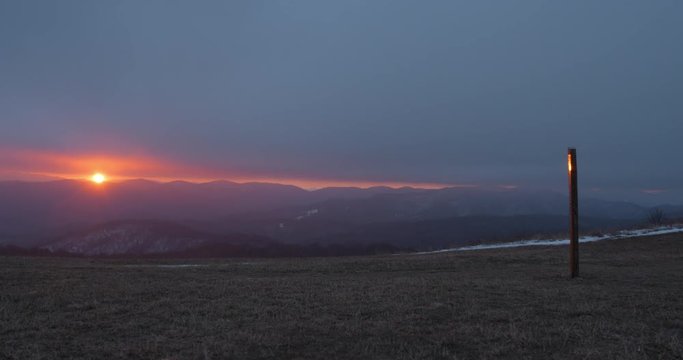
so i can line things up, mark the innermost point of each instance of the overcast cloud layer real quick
(478, 92)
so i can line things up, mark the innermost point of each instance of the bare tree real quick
(656, 216)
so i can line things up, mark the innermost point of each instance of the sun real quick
(98, 178)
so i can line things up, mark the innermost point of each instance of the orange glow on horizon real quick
(44, 165)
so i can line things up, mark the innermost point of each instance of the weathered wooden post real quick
(573, 214)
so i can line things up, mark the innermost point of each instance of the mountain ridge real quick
(31, 212)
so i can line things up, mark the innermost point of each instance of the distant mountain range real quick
(229, 219)
(168, 239)
(30, 211)
(140, 237)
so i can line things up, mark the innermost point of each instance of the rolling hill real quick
(183, 216)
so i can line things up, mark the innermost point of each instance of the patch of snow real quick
(584, 239)
(123, 239)
(308, 213)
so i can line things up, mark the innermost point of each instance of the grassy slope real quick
(517, 303)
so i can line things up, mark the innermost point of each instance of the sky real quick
(315, 93)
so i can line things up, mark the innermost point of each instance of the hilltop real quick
(498, 303)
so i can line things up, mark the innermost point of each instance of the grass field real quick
(510, 303)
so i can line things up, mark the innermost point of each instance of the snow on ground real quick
(556, 242)
(308, 213)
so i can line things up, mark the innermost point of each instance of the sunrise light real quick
(98, 178)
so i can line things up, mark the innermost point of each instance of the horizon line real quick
(299, 183)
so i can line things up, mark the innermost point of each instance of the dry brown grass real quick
(513, 303)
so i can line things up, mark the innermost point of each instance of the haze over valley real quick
(142, 217)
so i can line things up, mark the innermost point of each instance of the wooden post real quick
(573, 214)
